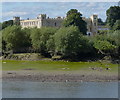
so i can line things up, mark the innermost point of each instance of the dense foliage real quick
(100, 22)
(67, 42)
(7, 23)
(113, 14)
(116, 26)
(75, 18)
(40, 37)
(15, 38)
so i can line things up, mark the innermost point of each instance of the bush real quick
(51, 45)
(40, 37)
(102, 32)
(15, 39)
(70, 43)
(104, 44)
(116, 26)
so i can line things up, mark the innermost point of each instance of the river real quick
(25, 89)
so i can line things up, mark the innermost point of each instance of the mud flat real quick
(58, 76)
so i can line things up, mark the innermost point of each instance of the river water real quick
(19, 89)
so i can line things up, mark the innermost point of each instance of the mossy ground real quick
(47, 65)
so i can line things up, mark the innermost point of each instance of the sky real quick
(53, 9)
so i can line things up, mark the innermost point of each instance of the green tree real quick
(69, 42)
(40, 37)
(75, 18)
(14, 38)
(27, 33)
(115, 37)
(104, 44)
(116, 25)
(51, 45)
(0, 41)
(100, 22)
(7, 23)
(113, 14)
(0, 26)
(35, 38)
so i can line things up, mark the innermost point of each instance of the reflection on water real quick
(21, 89)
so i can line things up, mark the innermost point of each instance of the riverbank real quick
(59, 71)
(71, 76)
(38, 57)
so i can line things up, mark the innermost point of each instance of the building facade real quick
(43, 21)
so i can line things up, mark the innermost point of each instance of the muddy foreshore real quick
(57, 77)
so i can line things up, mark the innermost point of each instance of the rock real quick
(81, 80)
(93, 68)
(65, 68)
(83, 75)
(108, 68)
(9, 73)
(66, 80)
(29, 69)
(29, 75)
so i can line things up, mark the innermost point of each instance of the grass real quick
(9, 65)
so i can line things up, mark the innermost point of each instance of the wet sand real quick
(63, 76)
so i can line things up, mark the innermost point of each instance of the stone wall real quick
(41, 21)
(30, 23)
(53, 22)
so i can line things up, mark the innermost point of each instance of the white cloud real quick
(91, 4)
(12, 13)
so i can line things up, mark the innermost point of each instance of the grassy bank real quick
(58, 71)
(48, 65)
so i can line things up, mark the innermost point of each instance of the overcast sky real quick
(53, 9)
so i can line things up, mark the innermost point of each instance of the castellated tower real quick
(16, 20)
(94, 19)
(42, 18)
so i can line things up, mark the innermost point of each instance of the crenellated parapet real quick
(16, 20)
(43, 21)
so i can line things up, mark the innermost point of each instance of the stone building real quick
(43, 21)
(92, 24)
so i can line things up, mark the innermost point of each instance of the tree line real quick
(69, 41)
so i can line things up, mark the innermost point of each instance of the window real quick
(36, 22)
(95, 24)
(90, 29)
(55, 23)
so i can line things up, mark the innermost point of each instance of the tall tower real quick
(94, 19)
(42, 16)
(16, 20)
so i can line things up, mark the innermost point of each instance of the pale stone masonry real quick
(43, 21)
